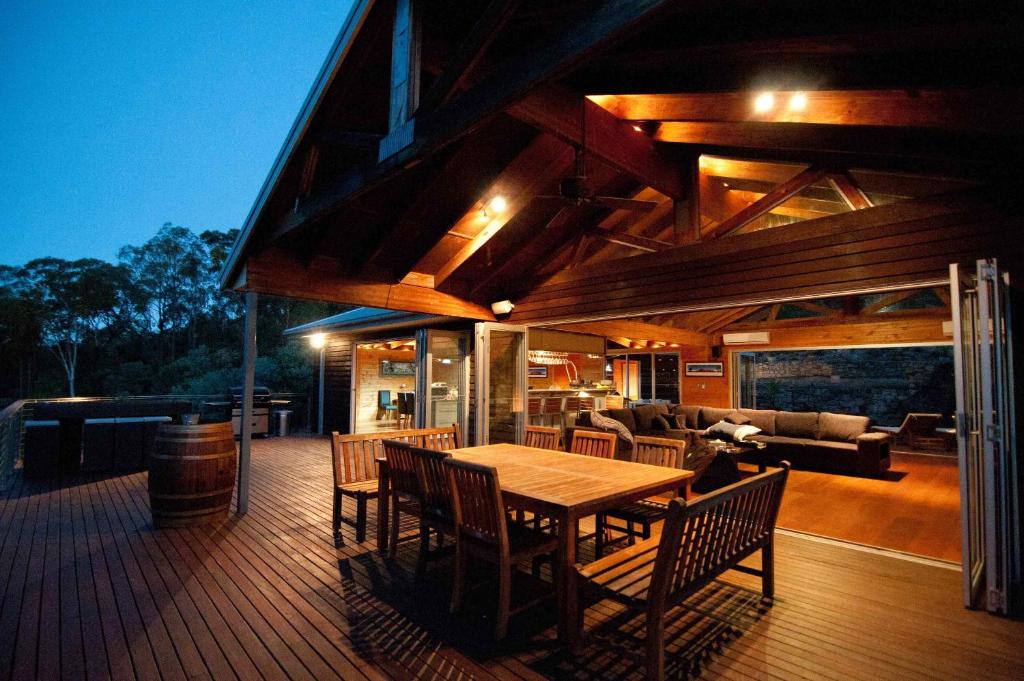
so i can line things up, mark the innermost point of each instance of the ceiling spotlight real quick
(798, 102)
(764, 102)
(725, 184)
(637, 127)
(498, 204)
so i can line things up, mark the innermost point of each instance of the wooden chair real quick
(542, 437)
(594, 443)
(404, 485)
(405, 408)
(571, 409)
(700, 540)
(653, 451)
(384, 405)
(354, 459)
(435, 503)
(482, 531)
(441, 439)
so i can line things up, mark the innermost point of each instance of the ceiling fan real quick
(573, 190)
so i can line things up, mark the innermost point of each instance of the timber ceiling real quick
(655, 100)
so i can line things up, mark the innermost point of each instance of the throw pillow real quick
(659, 422)
(745, 431)
(673, 421)
(609, 424)
(737, 418)
(723, 430)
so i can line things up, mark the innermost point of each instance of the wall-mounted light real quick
(502, 307)
(497, 205)
(798, 102)
(764, 102)
(317, 340)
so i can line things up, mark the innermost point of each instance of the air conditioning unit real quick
(752, 338)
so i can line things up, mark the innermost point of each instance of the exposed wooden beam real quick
(506, 83)
(614, 142)
(937, 109)
(278, 272)
(640, 243)
(463, 64)
(637, 330)
(849, 144)
(886, 301)
(847, 188)
(537, 167)
(774, 198)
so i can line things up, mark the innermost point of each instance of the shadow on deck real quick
(91, 590)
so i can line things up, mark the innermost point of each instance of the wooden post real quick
(320, 393)
(248, 384)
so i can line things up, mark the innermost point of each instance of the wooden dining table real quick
(566, 488)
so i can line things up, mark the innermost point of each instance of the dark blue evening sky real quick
(116, 117)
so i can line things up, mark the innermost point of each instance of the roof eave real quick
(350, 29)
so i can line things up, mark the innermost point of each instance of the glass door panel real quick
(443, 391)
(501, 383)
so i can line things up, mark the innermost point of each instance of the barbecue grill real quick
(260, 410)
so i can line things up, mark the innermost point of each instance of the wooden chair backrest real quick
(572, 405)
(533, 406)
(401, 468)
(920, 424)
(477, 503)
(593, 443)
(552, 405)
(440, 439)
(658, 451)
(355, 456)
(542, 437)
(586, 404)
(702, 539)
(435, 492)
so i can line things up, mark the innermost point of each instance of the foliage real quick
(154, 323)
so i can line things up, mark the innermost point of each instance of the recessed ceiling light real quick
(764, 102)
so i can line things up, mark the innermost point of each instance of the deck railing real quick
(12, 420)
(14, 415)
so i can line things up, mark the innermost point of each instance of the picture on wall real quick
(537, 372)
(705, 369)
(391, 368)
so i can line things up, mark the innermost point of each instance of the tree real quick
(20, 327)
(77, 298)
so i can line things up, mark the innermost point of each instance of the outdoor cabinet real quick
(42, 449)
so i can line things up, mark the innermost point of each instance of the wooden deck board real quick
(90, 590)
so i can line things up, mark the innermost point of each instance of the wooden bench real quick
(699, 541)
(356, 473)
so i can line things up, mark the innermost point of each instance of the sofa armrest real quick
(874, 448)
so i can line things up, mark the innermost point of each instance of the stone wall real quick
(883, 383)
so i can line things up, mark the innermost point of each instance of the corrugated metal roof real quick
(363, 319)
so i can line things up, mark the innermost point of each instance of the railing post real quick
(248, 384)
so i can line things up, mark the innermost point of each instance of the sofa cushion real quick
(661, 408)
(674, 421)
(832, 446)
(690, 414)
(644, 414)
(661, 423)
(841, 427)
(736, 418)
(797, 424)
(623, 416)
(762, 418)
(612, 425)
(709, 416)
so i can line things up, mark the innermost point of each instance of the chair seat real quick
(625, 575)
(639, 511)
(368, 487)
(523, 542)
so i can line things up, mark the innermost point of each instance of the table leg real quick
(383, 507)
(568, 598)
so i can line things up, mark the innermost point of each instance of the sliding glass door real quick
(500, 382)
(443, 378)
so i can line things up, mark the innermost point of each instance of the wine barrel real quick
(191, 474)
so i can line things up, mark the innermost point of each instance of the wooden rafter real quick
(614, 142)
(942, 109)
(635, 330)
(888, 300)
(640, 243)
(847, 188)
(462, 66)
(774, 198)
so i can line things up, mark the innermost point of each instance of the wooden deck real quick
(91, 591)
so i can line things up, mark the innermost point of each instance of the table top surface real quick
(570, 480)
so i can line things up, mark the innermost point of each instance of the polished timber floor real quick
(91, 591)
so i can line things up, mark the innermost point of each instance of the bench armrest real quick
(873, 448)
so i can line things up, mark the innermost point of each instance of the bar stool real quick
(553, 410)
(533, 410)
(572, 408)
